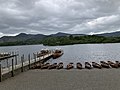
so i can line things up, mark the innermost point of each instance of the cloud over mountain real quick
(51, 16)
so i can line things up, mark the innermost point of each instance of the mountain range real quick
(113, 34)
(37, 37)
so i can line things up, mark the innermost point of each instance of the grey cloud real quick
(51, 16)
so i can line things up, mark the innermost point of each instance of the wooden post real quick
(12, 68)
(29, 60)
(12, 53)
(39, 61)
(0, 72)
(37, 56)
(22, 63)
(23, 58)
(34, 58)
(7, 63)
(15, 58)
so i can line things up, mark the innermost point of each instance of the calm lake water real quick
(73, 53)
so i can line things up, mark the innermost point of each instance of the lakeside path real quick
(95, 79)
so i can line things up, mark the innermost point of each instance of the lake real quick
(73, 53)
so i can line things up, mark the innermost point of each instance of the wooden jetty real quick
(23, 65)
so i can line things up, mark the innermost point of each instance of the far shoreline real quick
(57, 45)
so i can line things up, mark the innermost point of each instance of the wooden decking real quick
(26, 63)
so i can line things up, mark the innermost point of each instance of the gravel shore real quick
(95, 79)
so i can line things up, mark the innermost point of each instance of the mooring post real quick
(0, 72)
(12, 53)
(7, 63)
(22, 63)
(12, 67)
(23, 58)
(15, 58)
(34, 56)
(38, 58)
(29, 60)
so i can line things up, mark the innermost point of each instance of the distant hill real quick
(59, 34)
(113, 34)
(23, 38)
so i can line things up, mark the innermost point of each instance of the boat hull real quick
(57, 55)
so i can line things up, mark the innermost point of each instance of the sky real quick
(52, 16)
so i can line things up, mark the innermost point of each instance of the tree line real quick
(66, 40)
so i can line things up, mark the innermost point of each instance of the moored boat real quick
(79, 65)
(43, 52)
(60, 65)
(88, 65)
(118, 63)
(104, 64)
(57, 53)
(96, 65)
(45, 66)
(69, 66)
(53, 66)
(113, 65)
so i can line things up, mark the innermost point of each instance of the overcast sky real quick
(52, 16)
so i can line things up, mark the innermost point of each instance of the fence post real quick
(22, 63)
(0, 72)
(29, 60)
(12, 67)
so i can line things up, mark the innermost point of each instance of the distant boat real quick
(79, 65)
(45, 66)
(96, 65)
(104, 64)
(57, 53)
(60, 65)
(43, 52)
(69, 66)
(118, 63)
(113, 65)
(53, 66)
(88, 65)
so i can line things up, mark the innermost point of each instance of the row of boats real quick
(103, 64)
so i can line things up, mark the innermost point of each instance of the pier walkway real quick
(25, 64)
